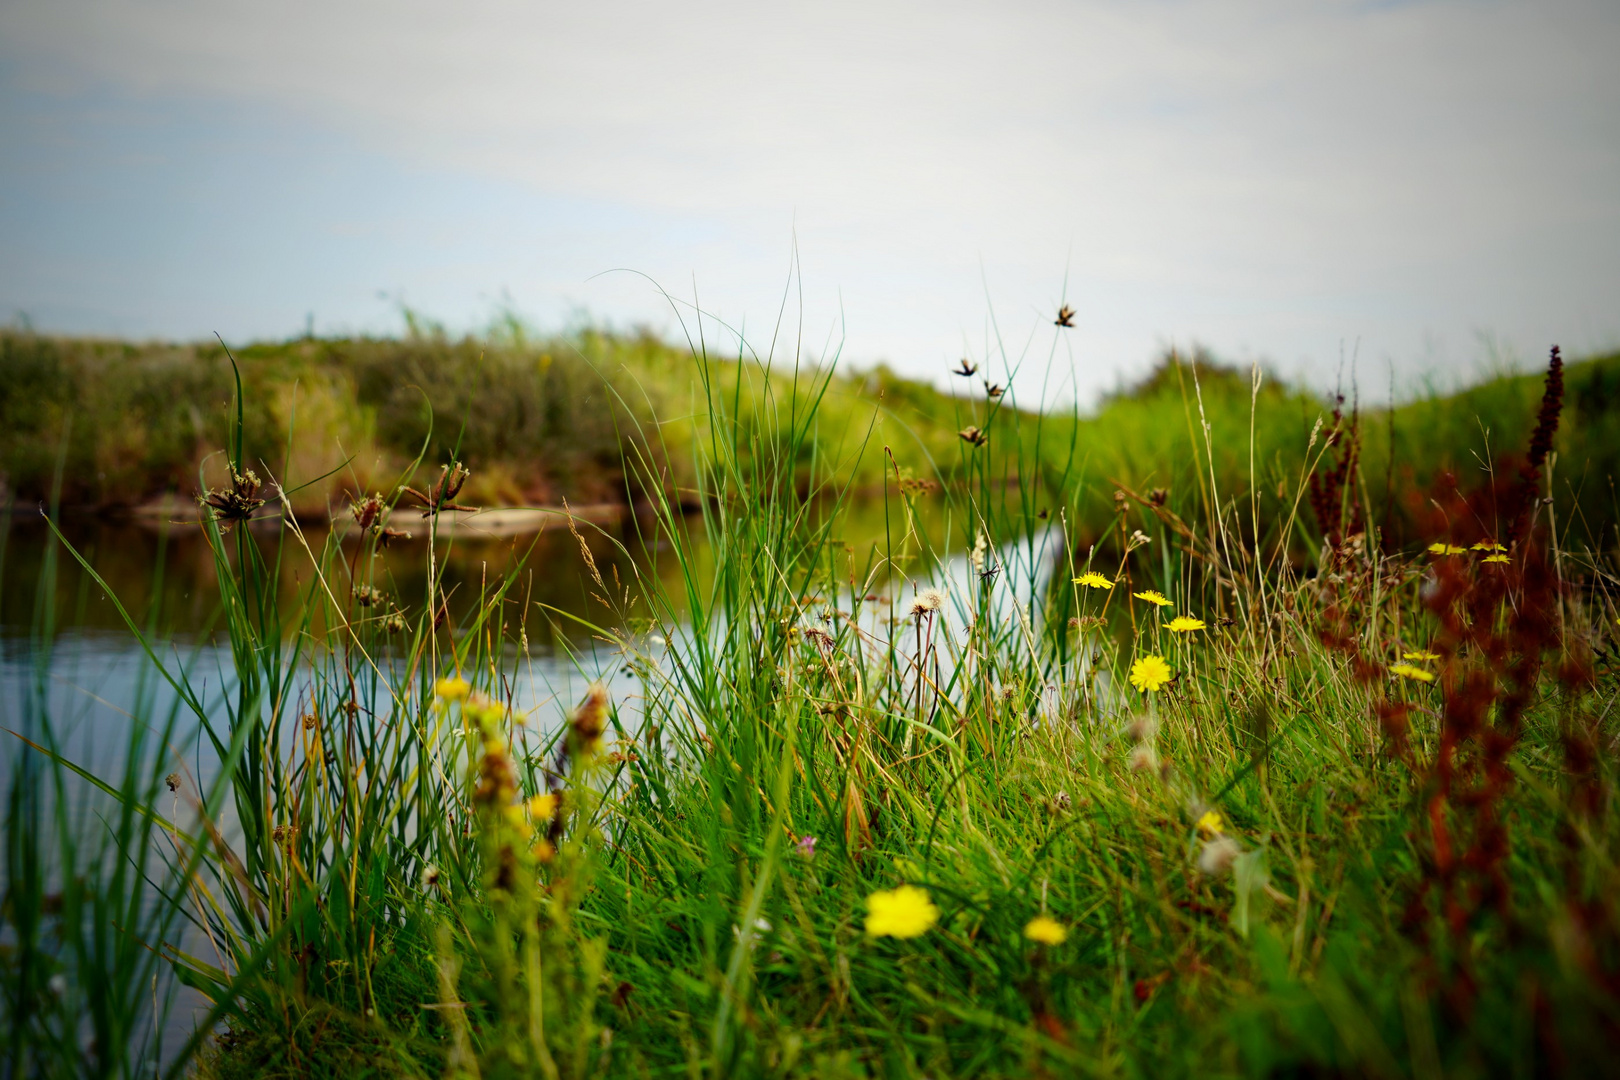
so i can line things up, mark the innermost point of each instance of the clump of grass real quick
(980, 799)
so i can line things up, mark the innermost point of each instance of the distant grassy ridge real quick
(536, 421)
(542, 420)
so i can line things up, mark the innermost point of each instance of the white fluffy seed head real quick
(1218, 855)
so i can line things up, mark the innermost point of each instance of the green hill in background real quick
(542, 420)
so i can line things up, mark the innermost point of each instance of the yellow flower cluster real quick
(1093, 580)
(452, 689)
(907, 912)
(1494, 552)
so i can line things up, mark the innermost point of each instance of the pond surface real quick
(68, 657)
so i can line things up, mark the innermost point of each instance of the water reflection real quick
(165, 576)
(91, 678)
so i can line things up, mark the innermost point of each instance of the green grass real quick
(541, 419)
(1403, 878)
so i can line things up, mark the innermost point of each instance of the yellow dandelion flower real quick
(1184, 624)
(1488, 545)
(1421, 657)
(1046, 930)
(1498, 558)
(1211, 824)
(1438, 548)
(1150, 673)
(1407, 671)
(451, 689)
(1153, 597)
(542, 807)
(905, 912)
(1093, 580)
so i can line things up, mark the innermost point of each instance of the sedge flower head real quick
(905, 912)
(1211, 824)
(542, 807)
(1407, 671)
(1184, 624)
(1046, 930)
(1093, 580)
(453, 689)
(1150, 673)
(1439, 548)
(483, 713)
(1154, 597)
(1497, 558)
(1421, 657)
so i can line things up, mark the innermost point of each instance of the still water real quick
(67, 656)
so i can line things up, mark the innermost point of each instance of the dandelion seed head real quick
(1142, 758)
(1218, 855)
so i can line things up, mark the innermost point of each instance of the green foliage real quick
(1287, 861)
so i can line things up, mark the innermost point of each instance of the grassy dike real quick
(1246, 793)
(542, 420)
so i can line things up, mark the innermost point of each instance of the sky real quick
(1406, 191)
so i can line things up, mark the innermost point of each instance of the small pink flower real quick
(806, 847)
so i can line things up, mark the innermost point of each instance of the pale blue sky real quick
(1283, 181)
